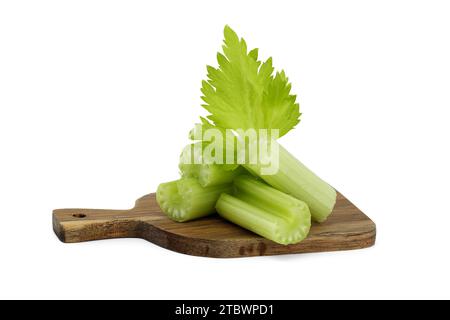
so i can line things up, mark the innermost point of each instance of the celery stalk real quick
(188, 163)
(296, 179)
(266, 211)
(208, 174)
(184, 199)
(213, 174)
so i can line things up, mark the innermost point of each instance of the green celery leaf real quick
(244, 93)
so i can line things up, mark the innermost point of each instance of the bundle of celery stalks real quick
(245, 93)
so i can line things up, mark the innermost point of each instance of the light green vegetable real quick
(207, 174)
(266, 211)
(244, 93)
(213, 174)
(296, 179)
(185, 199)
(188, 164)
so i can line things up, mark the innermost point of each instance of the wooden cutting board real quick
(346, 228)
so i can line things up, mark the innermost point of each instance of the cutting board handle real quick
(78, 225)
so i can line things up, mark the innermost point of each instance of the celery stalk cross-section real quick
(265, 211)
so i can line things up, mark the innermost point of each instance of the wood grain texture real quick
(347, 228)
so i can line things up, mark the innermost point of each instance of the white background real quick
(96, 99)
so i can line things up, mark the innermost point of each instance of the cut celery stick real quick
(184, 199)
(213, 174)
(296, 179)
(266, 211)
(189, 170)
(207, 174)
(189, 162)
(262, 222)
